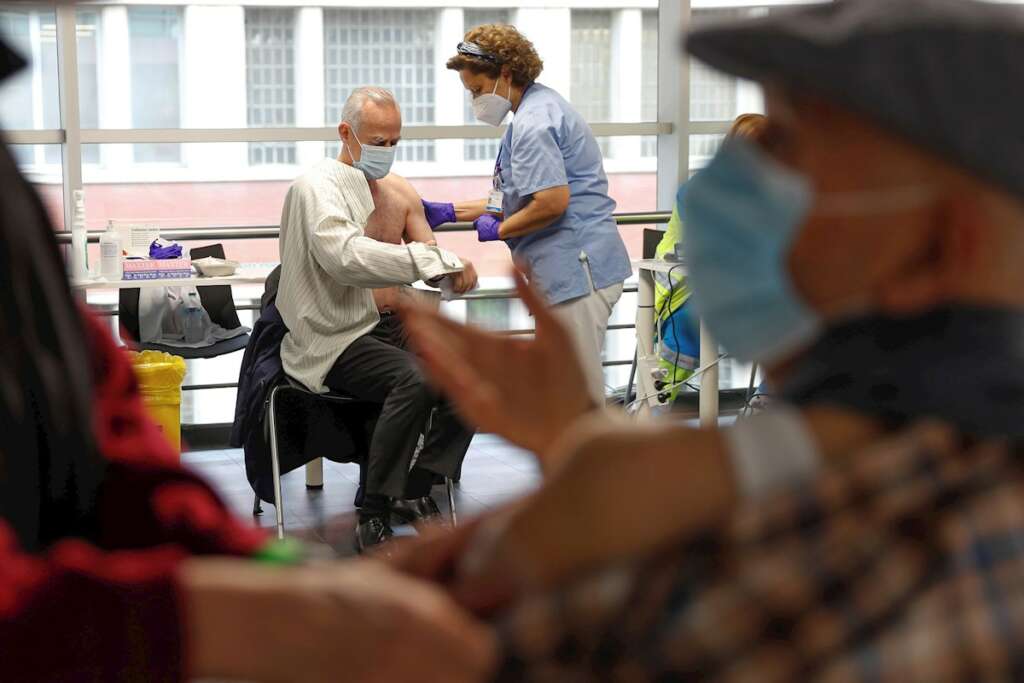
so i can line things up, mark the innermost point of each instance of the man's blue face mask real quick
(743, 213)
(374, 161)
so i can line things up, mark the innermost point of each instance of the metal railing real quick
(273, 231)
(254, 232)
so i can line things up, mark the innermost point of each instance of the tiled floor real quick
(494, 472)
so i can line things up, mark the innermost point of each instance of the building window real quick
(649, 79)
(591, 64)
(88, 26)
(481, 150)
(270, 79)
(16, 101)
(712, 93)
(389, 48)
(155, 48)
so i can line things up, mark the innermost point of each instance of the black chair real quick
(218, 302)
(291, 392)
(285, 403)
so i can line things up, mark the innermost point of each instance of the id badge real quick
(494, 202)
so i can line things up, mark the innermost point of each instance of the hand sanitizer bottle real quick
(79, 239)
(111, 265)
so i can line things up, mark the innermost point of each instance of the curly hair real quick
(510, 47)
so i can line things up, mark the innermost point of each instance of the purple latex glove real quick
(164, 251)
(438, 213)
(487, 228)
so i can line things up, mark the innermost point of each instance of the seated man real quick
(867, 250)
(337, 339)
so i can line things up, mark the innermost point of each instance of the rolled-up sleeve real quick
(537, 162)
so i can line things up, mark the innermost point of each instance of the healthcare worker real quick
(550, 200)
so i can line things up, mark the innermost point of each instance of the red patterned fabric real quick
(106, 608)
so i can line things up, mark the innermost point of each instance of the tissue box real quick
(157, 269)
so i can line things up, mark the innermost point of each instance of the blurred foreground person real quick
(108, 549)
(868, 251)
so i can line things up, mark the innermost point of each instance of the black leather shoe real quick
(416, 510)
(372, 531)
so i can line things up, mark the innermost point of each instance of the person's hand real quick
(466, 280)
(488, 228)
(359, 621)
(438, 555)
(526, 390)
(438, 213)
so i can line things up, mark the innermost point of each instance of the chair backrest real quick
(217, 300)
(270, 288)
(652, 238)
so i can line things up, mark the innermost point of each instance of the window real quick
(591, 64)
(481, 150)
(649, 79)
(702, 148)
(270, 79)
(88, 77)
(712, 94)
(390, 48)
(155, 38)
(17, 106)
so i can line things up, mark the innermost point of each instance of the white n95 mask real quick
(374, 161)
(491, 108)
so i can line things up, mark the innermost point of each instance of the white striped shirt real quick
(329, 266)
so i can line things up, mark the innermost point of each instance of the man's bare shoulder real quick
(401, 187)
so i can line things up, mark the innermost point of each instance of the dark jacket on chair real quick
(308, 428)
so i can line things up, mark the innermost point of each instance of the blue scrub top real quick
(549, 145)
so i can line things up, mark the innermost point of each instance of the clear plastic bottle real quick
(79, 239)
(193, 319)
(111, 263)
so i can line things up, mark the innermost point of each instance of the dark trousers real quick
(378, 367)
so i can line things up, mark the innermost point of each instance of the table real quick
(647, 361)
(246, 275)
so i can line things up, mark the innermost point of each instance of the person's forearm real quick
(534, 217)
(670, 480)
(469, 211)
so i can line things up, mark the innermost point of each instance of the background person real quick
(338, 340)
(550, 201)
(678, 327)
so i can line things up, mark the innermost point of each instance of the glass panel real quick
(702, 148)
(88, 74)
(270, 79)
(715, 96)
(29, 99)
(592, 65)
(480, 150)
(649, 78)
(390, 48)
(155, 48)
(45, 176)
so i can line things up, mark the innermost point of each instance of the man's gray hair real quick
(352, 113)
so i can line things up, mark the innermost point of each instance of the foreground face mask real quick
(743, 213)
(374, 161)
(491, 108)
